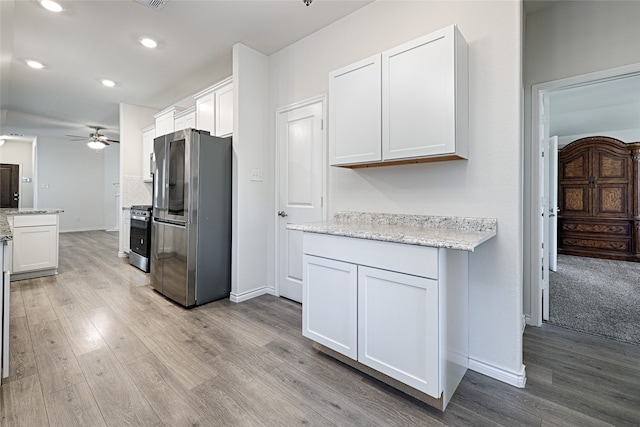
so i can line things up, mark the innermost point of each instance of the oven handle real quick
(140, 218)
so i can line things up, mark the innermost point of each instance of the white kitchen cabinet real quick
(35, 245)
(214, 108)
(148, 134)
(165, 120)
(185, 119)
(126, 232)
(410, 310)
(400, 312)
(331, 306)
(422, 114)
(355, 104)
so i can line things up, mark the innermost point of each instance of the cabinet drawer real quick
(601, 228)
(410, 259)
(34, 220)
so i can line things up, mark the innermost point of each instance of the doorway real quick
(9, 185)
(300, 195)
(541, 116)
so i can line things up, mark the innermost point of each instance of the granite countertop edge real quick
(5, 229)
(460, 233)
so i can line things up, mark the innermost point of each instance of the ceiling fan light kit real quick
(96, 145)
(51, 6)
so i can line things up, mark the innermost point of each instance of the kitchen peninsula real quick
(34, 235)
(388, 295)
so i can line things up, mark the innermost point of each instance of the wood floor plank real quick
(82, 335)
(174, 404)
(16, 302)
(73, 406)
(249, 390)
(36, 302)
(119, 399)
(22, 403)
(54, 357)
(22, 358)
(118, 336)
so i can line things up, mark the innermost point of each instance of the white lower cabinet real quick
(400, 339)
(396, 311)
(35, 244)
(330, 298)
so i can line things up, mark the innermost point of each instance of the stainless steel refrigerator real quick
(191, 226)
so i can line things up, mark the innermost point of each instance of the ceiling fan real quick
(97, 141)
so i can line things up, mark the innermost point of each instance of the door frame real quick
(538, 92)
(325, 171)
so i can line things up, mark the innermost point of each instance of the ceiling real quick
(93, 39)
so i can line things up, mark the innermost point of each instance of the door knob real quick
(282, 213)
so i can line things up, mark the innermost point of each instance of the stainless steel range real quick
(140, 238)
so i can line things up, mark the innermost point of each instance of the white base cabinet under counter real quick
(34, 246)
(391, 303)
(363, 299)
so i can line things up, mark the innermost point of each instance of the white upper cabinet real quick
(422, 111)
(148, 134)
(214, 108)
(185, 119)
(165, 120)
(355, 113)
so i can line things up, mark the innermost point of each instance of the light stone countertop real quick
(435, 231)
(5, 229)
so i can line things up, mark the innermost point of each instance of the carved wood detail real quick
(598, 192)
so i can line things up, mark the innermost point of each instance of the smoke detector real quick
(153, 4)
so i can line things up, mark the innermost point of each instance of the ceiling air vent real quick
(153, 4)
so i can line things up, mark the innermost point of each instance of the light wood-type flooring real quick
(95, 345)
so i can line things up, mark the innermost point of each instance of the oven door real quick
(140, 235)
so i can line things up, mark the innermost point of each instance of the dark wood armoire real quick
(598, 199)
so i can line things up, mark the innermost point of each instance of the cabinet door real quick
(329, 304)
(35, 248)
(147, 152)
(418, 92)
(165, 124)
(205, 113)
(224, 110)
(354, 113)
(398, 327)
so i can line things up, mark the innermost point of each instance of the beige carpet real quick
(596, 296)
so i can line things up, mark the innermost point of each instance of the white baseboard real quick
(516, 379)
(245, 296)
(123, 254)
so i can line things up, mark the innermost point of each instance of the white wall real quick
(20, 153)
(133, 118)
(71, 177)
(627, 135)
(111, 189)
(487, 185)
(253, 201)
(565, 40)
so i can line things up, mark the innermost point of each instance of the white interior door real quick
(543, 224)
(301, 159)
(553, 203)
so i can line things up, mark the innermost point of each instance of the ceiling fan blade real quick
(76, 136)
(111, 140)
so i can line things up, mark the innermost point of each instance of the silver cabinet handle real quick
(282, 214)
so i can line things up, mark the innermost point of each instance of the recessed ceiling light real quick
(51, 5)
(147, 42)
(108, 83)
(34, 64)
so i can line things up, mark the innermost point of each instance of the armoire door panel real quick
(612, 200)
(575, 200)
(575, 168)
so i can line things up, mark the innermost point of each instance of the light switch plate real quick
(256, 175)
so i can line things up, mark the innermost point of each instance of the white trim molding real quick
(516, 379)
(245, 296)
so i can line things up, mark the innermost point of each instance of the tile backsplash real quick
(135, 191)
